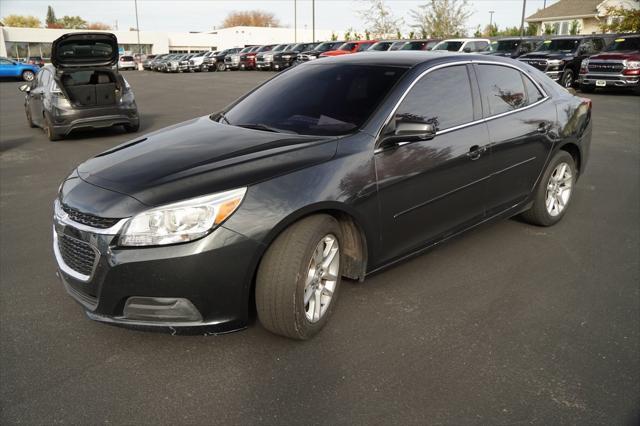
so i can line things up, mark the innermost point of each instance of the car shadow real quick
(8, 145)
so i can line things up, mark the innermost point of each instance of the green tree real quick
(412, 35)
(23, 21)
(548, 29)
(575, 27)
(477, 33)
(51, 17)
(621, 21)
(532, 29)
(334, 36)
(73, 23)
(379, 18)
(347, 35)
(441, 18)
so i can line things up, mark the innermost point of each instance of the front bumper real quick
(212, 274)
(610, 80)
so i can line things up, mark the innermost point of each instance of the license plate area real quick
(601, 83)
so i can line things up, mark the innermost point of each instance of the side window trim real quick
(482, 119)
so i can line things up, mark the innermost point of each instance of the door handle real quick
(476, 152)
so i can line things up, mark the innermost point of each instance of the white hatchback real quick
(126, 63)
(467, 45)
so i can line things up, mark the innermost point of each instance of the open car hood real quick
(86, 49)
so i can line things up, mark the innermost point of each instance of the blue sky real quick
(203, 15)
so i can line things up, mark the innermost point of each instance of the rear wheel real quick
(299, 278)
(554, 191)
(28, 75)
(50, 131)
(221, 67)
(132, 127)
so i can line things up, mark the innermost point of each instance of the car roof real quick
(466, 39)
(401, 58)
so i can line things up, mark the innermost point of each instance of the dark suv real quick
(514, 47)
(286, 58)
(310, 55)
(560, 57)
(617, 66)
(215, 60)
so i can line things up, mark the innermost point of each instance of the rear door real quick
(522, 125)
(77, 50)
(430, 189)
(8, 68)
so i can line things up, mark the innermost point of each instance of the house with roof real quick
(588, 15)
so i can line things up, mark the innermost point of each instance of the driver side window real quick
(442, 98)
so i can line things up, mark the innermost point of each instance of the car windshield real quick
(299, 46)
(624, 44)
(126, 58)
(451, 46)
(265, 49)
(324, 47)
(381, 45)
(347, 46)
(338, 99)
(279, 48)
(398, 45)
(559, 45)
(246, 49)
(505, 46)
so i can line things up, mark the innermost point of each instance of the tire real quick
(132, 127)
(29, 119)
(221, 67)
(50, 131)
(587, 89)
(28, 75)
(286, 272)
(567, 79)
(539, 213)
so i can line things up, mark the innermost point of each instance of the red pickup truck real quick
(350, 47)
(617, 66)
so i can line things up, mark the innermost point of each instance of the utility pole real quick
(524, 7)
(138, 29)
(491, 12)
(313, 21)
(295, 21)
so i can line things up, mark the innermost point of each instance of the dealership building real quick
(19, 43)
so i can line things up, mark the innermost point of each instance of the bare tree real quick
(379, 19)
(441, 18)
(251, 18)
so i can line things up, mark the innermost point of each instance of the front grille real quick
(88, 219)
(77, 254)
(606, 67)
(540, 64)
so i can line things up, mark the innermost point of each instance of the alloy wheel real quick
(28, 75)
(568, 80)
(322, 278)
(559, 189)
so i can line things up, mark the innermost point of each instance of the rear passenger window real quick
(442, 98)
(533, 93)
(501, 88)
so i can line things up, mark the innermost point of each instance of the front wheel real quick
(554, 191)
(28, 75)
(132, 127)
(567, 79)
(299, 278)
(221, 67)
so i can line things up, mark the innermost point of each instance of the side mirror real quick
(467, 50)
(25, 88)
(407, 132)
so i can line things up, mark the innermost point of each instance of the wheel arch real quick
(574, 150)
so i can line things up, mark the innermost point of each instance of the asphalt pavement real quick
(509, 324)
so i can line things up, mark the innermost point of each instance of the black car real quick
(384, 45)
(232, 61)
(379, 158)
(514, 47)
(560, 57)
(310, 55)
(216, 61)
(82, 89)
(286, 58)
(426, 44)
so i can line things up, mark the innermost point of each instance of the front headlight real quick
(286, 56)
(633, 65)
(267, 57)
(555, 62)
(181, 222)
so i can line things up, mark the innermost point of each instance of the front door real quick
(430, 189)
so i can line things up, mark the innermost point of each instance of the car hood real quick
(336, 53)
(618, 56)
(200, 157)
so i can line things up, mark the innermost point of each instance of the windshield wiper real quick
(265, 127)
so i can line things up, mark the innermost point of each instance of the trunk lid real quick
(86, 49)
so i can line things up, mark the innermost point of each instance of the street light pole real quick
(313, 21)
(295, 21)
(135, 2)
(491, 12)
(524, 7)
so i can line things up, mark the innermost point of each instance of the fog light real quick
(165, 309)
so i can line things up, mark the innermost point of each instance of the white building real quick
(22, 42)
